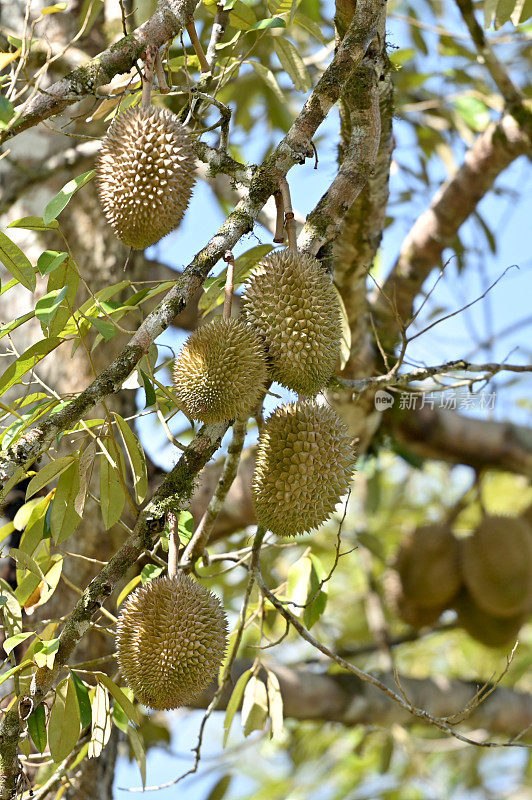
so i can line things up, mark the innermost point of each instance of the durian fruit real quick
(406, 609)
(485, 628)
(221, 371)
(305, 462)
(145, 175)
(497, 565)
(291, 301)
(428, 565)
(171, 638)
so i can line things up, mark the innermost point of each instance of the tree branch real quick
(448, 436)
(312, 695)
(492, 152)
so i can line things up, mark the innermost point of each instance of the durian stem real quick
(161, 77)
(173, 544)
(289, 221)
(279, 221)
(229, 283)
(196, 44)
(147, 77)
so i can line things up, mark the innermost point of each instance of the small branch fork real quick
(392, 379)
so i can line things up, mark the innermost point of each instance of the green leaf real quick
(310, 26)
(47, 474)
(219, 790)
(16, 323)
(345, 344)
(234, 702)
(473, 111)
(269, 79)
(7, 111)
(14, 641)
(139, 752)
(280, 6)
(28, 360)
(504, 12)
(121, 698)
(119, 718)
(64, 725)
(34, 224)
(101, 721)
(27, 562)
(254, 706)
(316, 599)
(16, 262)
(271, 22)
(64, 518)
(112, 497)
(241, 16)
(6, 675)
(11, 610)
(84, 703)
(136, 458)
(64, 275)
(37, 728)
(104, 327)
(297, 584)
(50, 260)
(54, 9)
(46, 308)
(149, 572)
(148, 389)
(275, 704)
(6, 530)
(9, 285)
(62, 198)
(127, 589)
(185, 526)
(490, 6)
(24, 514)
(214, 293)
(292, 63)
(44, 653)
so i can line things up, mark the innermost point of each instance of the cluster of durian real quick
(145, 175)
(171, 634)
(290, 332)
(486, 578)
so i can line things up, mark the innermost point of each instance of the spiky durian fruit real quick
(221, 371)
(485, 628)
(305, 462)
(497, 565)
(428, 565)
(291, 301)
(171, 638)
(145, 175)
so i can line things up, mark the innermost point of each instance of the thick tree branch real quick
(174, 493)
(311, 695)
(493, 151)
(449, 436)
(294, 148)
(325, 220)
